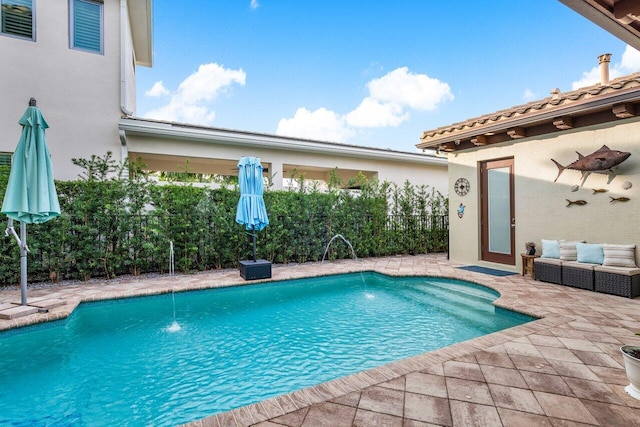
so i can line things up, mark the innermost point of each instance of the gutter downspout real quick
(124, 150)
(123, 79)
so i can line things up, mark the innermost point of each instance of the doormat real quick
(485, 270)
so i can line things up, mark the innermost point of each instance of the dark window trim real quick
(33, 24)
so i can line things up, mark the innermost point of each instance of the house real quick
(166, 146)
(78, 58)
(504, 188)
(511, 179)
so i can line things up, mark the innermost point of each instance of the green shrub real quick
(116, 221)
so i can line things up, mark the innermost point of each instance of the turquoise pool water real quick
(119, 363)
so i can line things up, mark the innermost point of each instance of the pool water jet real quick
(353, 252)
(175, 326)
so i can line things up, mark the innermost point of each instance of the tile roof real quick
(574, 103)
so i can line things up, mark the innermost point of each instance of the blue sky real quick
(374, 73)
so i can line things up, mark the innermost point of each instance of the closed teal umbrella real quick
(251, 211)
(30, 196)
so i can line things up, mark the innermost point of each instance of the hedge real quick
(116, 221)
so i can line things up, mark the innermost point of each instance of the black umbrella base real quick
(253, 270)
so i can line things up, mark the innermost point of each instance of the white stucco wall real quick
(540, 204)
(418, 173)
(78, 92)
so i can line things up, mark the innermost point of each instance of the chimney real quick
(604, 60)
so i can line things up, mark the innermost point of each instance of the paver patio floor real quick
(565, 369)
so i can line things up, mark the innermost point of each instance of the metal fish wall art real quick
(599, 190)
(576, 202)
(619, 199)
(601, 160)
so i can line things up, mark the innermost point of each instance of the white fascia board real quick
(238, 138)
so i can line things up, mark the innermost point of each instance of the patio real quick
(564, 369)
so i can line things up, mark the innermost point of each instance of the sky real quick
(370, 73)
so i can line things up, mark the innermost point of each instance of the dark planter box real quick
(253, 270)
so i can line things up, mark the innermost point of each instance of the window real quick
(17, 18)
(5, 159)
(86, 25)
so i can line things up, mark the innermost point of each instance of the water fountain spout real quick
(340, 236)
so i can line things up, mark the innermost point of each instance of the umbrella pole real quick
(254, 245)
(23, 262)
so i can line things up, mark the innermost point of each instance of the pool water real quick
(120, 362)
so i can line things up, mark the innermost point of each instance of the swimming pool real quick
(118, 362)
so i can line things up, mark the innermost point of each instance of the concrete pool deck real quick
(564, 369)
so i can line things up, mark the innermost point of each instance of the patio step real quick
(17, 311)
(48, 303)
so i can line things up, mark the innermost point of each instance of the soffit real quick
(619, 99)
(141, 18)
(619, 17)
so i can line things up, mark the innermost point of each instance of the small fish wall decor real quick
(576, 202)
(601, 160)
(599, 190)
(619, 199)
(461, 210)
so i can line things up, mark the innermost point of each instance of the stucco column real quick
(275, 172)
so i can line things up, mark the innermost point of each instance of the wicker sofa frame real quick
(617, 284)
(578, 276)
(608, 279)
(548, 271)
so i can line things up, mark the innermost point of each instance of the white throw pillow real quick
(619, 255)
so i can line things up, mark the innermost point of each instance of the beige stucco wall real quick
(540, 204)
(78, 92)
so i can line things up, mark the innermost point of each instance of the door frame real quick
(485, 254)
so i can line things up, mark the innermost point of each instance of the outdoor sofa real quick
(606, 268)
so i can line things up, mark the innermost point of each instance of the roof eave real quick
(178, 131)
(548, 114)
(141, 18)
(602, 17)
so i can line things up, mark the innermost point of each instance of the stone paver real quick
(564, 369)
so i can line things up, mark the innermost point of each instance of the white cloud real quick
(191, 102)
(373, 113)
(321, 124)
(157, 90)
(254, 4)
(529, 95)
(390, 98)
(630, 60)
(630, 63)
(417, 91)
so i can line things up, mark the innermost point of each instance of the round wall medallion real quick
(462, 186)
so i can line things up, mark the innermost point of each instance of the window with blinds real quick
(17, 18)
(5, 159)
(86, 25)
